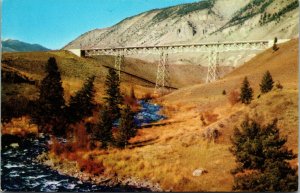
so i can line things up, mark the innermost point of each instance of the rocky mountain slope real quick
(203, 21)
(19, 46)
(207, 20)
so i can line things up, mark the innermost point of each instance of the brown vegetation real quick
(19, 126)
(234, 97)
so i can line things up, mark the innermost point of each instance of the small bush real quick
(15, 107)
(91, 166)
(234, 97)
(278, 86)
(224, 92)
(209, 117)
(202, 119)
(147, 96)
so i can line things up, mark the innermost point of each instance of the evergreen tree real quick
(275, 47)
(246, 92)
(50, 106)
(103, 130)
(266, 83)
(262, 159)
(127, 127)
(114, 98)
(83, 103)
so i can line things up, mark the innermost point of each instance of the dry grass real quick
(19, 126)
(169, 153)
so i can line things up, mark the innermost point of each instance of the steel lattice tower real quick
(119, 60)
(213, 67)
(162, 75)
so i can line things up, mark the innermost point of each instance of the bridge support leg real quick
(213, 67)
(162, 75)
(119, 60)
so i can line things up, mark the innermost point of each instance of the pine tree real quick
(114, 98)
(262, 159)
(103, 130)
(127, 127)
(266, 83)
(275, 47)
(50, 106)
(82, 104)
(246, 92)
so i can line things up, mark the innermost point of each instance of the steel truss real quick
(213, 67)
(162, 74)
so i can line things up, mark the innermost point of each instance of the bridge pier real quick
(162, 74)
(213, 66)
(119, 60)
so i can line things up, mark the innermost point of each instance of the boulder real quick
(199, 172)
(14, 145)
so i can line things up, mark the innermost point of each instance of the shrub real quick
(202, 119)
(131, 100)
(91, 166)
(278, 85)
(81, 136)
(209, 117)
(15, 107)
(224, 92)
(234, 97)
(147, 96)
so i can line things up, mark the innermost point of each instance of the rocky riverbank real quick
(70, 168)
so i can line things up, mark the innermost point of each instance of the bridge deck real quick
(183, 45)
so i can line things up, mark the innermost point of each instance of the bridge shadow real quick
(143, 143)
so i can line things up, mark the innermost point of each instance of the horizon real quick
(48, 23)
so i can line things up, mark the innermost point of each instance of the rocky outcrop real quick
(203, 21)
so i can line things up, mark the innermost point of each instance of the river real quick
(20, 171)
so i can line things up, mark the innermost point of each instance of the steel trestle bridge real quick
(162, 76)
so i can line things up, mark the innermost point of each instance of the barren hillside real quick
(205, 21)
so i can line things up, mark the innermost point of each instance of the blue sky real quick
(54, 23)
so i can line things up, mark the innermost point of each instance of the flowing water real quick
(20, 171)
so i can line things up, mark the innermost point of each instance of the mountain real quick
(19, 46)
(203, 21)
